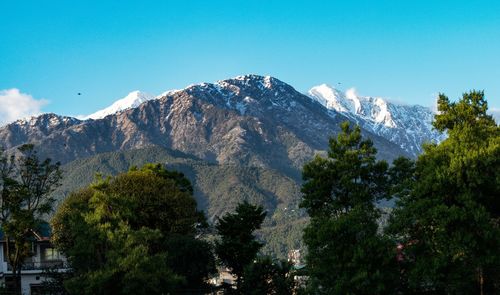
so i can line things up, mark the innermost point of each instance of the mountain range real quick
(250, 120)
(241, 138)
(409, 126)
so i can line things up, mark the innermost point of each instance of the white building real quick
(33, 271)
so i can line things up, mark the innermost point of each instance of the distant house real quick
(32, 272)
(299, 267)
(224, 277)
(295, 257)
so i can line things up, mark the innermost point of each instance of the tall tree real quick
(120, 235)
(237, 246)
(348, 177)
(448, 223)
(25, 187)
(346, 252)
(267, 276)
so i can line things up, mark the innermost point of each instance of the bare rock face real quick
(250, 120)
(33, 129)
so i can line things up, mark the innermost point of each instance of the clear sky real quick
(402, 50)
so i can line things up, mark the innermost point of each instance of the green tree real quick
(347, 254)
(26, 183)
(120, 235)
(349, 176)
(448, 222)
(191, 258)
(237, 246)
(265, 276)
(160, 199)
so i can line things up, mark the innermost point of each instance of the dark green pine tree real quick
(448, 223)
(237, 246)
(268, 276)
(347, 254)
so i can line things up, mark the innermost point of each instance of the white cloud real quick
(16, 105)
(495, 112)
(434, 107)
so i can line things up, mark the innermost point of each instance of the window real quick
(51, 254)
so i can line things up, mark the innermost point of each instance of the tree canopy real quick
(349, 176)
(237, 247)
(133, 234)
(448, 222)
(267, 276)
(346, 252)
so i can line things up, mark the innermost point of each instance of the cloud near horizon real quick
(16, 105)
(495, 112)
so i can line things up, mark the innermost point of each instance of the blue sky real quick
(402, 50)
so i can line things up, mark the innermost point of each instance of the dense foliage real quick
(346, 252)
(265, 276)
(445, 225)
(238, 250)
(117, 234)
(448, 221)
(237, 246)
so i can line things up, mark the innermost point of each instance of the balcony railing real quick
(52, 264)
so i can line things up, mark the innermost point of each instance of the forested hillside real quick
(217, 189)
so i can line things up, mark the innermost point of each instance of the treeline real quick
(217, 188)
(442, 237)
(136, 233)
(140, 232)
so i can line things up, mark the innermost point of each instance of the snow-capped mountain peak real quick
(407, 126)
(132, 100)
(374, 109)
(330, 97)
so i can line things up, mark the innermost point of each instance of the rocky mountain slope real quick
(34, 129)
(248, 120)
(407, 126)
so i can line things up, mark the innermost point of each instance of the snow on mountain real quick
(258, 92)
(132, 100)
(407, 126)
